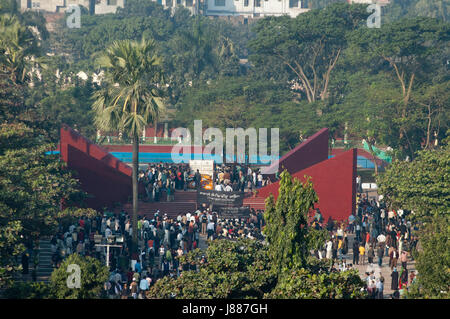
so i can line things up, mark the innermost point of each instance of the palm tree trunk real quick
(135, 190)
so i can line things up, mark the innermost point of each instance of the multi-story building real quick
(254, 8)
(94, 6)
(238, 8)
(192, 5)
(380, 2)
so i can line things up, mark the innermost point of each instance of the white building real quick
(254, 8)
(238, 8)
(100, 6)
(380, 2)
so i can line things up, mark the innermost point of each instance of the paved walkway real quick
(385, 269)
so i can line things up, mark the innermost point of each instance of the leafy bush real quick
(303, 284)
(28, 290)
(93, 275)
(234, 269)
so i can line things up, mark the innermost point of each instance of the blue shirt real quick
(380, 286)
(137, 267)
(143, 285)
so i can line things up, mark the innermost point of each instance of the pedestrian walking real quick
(362, 251)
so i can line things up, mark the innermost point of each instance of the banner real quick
(203, 166)
(232, 212)
(218, 198)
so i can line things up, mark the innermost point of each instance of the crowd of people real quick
(161, 240)
(165, 177)
(378, 232)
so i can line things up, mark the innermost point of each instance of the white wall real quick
(62, 5)
(267, 8)
(103, 7)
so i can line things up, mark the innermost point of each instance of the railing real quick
(350, 144)
(115, 140)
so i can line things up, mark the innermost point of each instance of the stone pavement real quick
(385, 269)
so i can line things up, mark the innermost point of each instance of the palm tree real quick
(18, 46)
(130, 97)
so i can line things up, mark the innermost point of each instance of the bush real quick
(93, 275)
(28, 290)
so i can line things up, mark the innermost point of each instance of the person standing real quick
(394, 280)
(329, 249)
(362, 251)
(210, 230)
(134, 288)
(124, 293)
(380, 253)
(143, 286)
(380, 288)
(404, 258)
(404, 278)
(370, 255)
(394, 258)
(355, 253)
(197, 178)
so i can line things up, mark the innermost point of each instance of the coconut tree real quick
(18, 48)
(130, 97)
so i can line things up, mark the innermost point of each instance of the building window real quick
(245, 21)
(29, 4)
(189, 3)
(219, 3)
(111, 2)
(293, 3)
(168, 3)
(257, 3)
(36, 4)
(245, 3)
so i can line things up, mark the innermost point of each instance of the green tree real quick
(308, 47)
(408, 49)
(33, 187)
(422, 185)
(433, 259)
(72, 106)
(130, 99)
(399, 9)
(28, 290)
(93, 276)
(287, 222)
(304, 284)
(234, 269)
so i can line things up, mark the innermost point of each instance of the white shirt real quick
(228, 188)
(329, 245)
(218, 187)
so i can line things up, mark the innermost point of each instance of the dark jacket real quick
(394, 283)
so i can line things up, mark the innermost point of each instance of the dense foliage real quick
(234, 269)
(93, 276)
(279, 268)
(422, 185)
(433, 260)
(287, 222)
(303, 284)
(33, 188)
